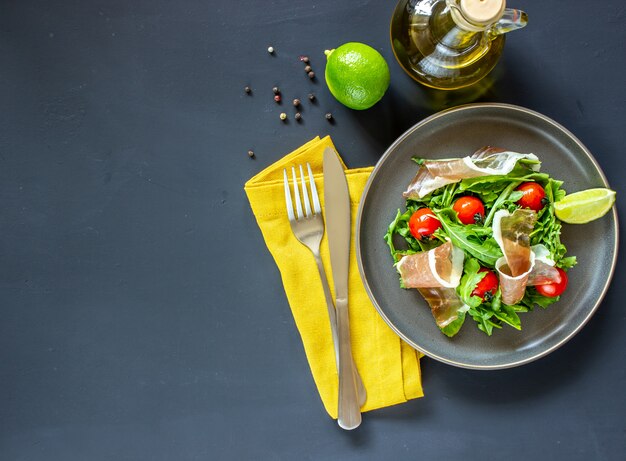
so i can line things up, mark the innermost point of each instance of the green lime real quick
(357, 75)
(584, 206)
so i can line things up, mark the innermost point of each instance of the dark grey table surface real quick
(142, 317)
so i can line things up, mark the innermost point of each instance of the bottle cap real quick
(482, 12)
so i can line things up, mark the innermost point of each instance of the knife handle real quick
(360, 388)
(349, 409)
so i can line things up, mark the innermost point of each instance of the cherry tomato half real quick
(488, 284)
(423, 223)
(469, 209)
(533, 196)
(555, 289)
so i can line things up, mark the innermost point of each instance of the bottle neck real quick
(451, 32)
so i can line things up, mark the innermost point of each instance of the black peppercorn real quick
(308, 69)
(311, 75)
(311, 97)
(296, 102)
(251, 154)
(305, 59)
(298, 116)
(275, 90)
(247, 89)
(329, 116)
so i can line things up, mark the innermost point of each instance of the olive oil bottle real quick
(451, 44)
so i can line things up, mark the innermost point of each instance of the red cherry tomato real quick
(555, 289)
(469, 209)
(488, 284)
(533, 195)
(423, 223)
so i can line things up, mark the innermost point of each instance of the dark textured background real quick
(141, 316)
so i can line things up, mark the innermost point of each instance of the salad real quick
(479, 239)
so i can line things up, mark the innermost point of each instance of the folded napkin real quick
(388, 366)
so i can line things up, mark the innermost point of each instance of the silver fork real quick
(308, 227)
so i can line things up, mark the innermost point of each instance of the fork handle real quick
(361, 393)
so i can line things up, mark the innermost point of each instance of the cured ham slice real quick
(543, 271)
(439, 267)
(436, 273)
(521, 265)
(445, 304)
(487, 161)
(512, 232)
(512, 287)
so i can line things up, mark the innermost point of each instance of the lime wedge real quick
(584, 206)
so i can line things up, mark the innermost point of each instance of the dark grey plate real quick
(455, 133)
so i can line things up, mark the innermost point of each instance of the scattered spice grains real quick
(296, 102)
(251, 153)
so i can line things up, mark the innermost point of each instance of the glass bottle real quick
(451, 44)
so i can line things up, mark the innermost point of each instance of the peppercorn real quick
(298, 116)
(329, 116)
(305, 59)
(308, 69)
(311, 75)
(296, 102)
(251, 153)
(277, 98)
(283, 116)
(247, 89)
(311, 97)
(275, 90)
(270, 49)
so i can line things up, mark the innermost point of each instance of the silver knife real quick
(337, 207)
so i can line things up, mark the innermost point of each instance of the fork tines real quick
(302, 188)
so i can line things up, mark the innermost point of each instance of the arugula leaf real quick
(508, 315)
(482, 316)
(468, 283)
(532, 298)
(548, 228)
(469, 240)
(502, 198)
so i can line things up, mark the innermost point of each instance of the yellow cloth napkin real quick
(388, 366)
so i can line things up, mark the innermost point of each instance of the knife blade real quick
(337, 210)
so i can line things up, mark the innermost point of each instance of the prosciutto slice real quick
(445, 304)
(521, 265)
(436, 273)
(487, 161)
(512, 232)
(439, 267)
(543, 271)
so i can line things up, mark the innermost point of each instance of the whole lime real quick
(356, 75)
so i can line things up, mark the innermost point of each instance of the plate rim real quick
(387, 153)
